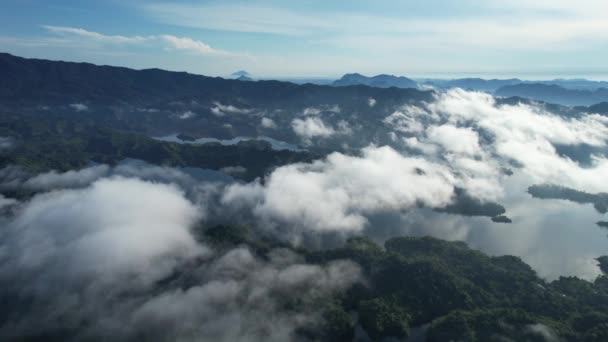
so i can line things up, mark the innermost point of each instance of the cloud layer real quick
(118, 260)
(336, 193)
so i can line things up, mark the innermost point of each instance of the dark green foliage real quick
(338, 325)
(602, 224)
(64, 143)
(603, 260)
(465, 204)
(501, 219)
(465, 294)
(382, 317)
(598, 333)
(488, 325)
(551, 191)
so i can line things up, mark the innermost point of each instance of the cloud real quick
(481, 137)
(268, 123)
(117, 260)
(544, 331)
(540, 27)
(402, 122)
(338, 192)
(72, 31)
(219, 109)
(6, 202)
(79, 107)
(6, 143)
(455, 139)
(241, 289)
(311, 127)
(122, 224)
(170, 41)
(187, 115)
(313, 111)
(69, 179)
(371, 102)
(426, 148)
(192, 45)
(528, 135)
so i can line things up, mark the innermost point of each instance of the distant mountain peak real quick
(381, 81)
(240, 73)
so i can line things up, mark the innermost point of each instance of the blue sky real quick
(314, 38)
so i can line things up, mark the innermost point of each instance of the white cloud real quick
(106, 261)
(524, 134)
(403, 122)
(527, 134)
(72, 31)
(543, 331)
(268, 123)
(219, 109)
(337, 193)
(187, 115)
(311, 127)
(118, 227)
(371, 102)
(311, 111)
(538, 28)
(79, 107)
(192, 45)
(455, 139)
(423, 147)
(170, 41)
(68, 179)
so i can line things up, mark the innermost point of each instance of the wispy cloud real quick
(169, 41)
(192, 45)
(558, 24)
(73, 31)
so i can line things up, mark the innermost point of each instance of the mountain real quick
(555, 94)
(57, 82)
(600, 108)
(380, 81)
(474, 83)
(491, 85)
(160, 103)
(240, 73)
(577, 83)
(244, 78)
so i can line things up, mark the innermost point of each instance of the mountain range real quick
(568, 92)
(380, 81)
(555, 94)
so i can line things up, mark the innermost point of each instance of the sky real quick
(538, 39)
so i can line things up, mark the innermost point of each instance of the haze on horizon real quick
(436, 39)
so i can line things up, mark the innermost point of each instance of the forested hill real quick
(54, 81)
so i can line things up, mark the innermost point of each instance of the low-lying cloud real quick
(79, 107)
(337, 193)
(118, 260)
(311, 127)
(220, 109)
